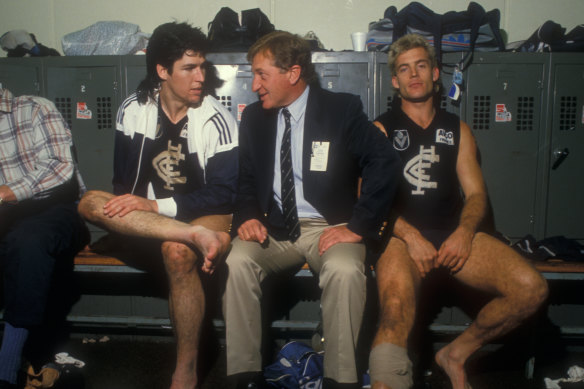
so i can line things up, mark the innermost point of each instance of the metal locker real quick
(86, 92)
(22, 76)
(235, 71)
(565, 204)
(346, 72)
(338, 72)
(505, 108)
(133, 72)
(384, 91)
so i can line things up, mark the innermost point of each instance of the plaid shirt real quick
(35, 147)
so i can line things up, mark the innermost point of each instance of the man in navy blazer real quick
(302, 152)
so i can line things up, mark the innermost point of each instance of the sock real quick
(11, 352)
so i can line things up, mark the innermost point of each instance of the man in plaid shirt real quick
(39, 224)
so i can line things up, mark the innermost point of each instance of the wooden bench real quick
(89, 261)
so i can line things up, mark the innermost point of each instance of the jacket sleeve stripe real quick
(122, 109)
(222, 128)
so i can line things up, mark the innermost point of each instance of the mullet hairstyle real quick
(168, 43)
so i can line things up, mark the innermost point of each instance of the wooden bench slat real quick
(88, 257)
(91, 258)
(558, 266)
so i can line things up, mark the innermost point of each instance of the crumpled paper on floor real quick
(575, 374)
(66, 359)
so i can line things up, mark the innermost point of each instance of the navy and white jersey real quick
(429, 196)
(211, 135)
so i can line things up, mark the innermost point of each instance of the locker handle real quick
(331, 72)
(560, 155)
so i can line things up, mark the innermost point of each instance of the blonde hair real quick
(408, 42)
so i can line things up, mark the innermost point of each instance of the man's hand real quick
(252, 231)
(455, 250)
(333, 235)
(7, 194)
(423, 253)
(124, 204)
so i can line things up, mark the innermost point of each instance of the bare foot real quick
(453, 368)
(212, 244)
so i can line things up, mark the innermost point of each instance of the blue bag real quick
(297, 366)
(473, 29)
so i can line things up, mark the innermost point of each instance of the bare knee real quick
(179, 259)
(536, 289)
(532, 290)
(91, 205)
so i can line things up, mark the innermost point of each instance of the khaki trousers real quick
(342, 282)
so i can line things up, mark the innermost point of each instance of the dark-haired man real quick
(437, 228)
(175, 174)
(302, 152)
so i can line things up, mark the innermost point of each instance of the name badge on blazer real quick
(319, 156)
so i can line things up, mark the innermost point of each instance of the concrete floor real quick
(132, 362)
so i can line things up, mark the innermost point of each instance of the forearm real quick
(405, 231)
(473, 212)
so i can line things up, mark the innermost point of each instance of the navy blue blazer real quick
(356, 149)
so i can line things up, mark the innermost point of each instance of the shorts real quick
(436, 237)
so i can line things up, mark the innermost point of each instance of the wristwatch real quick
(1, 200)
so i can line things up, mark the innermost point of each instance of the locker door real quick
(565, 212)
(503, 109)
(134, 71)
(22, 76)
(345, 72)
(87, 98)
(86, 94)
(235, 71)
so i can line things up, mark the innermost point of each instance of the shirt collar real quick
(298, 106)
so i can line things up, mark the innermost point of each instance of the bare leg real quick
(151, 225)
(187, 301)
(398, 284)
(186, 297)
(519, 291)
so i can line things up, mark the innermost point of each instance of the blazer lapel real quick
(267, 134)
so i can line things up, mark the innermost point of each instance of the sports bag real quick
(551, 37)
(297, 366)
(226, 34)
(473, 29)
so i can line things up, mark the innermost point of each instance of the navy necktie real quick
(288, 194)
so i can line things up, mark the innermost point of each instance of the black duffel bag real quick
(227, 35)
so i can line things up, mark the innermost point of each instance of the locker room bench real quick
(556, 270)
(90, 261)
